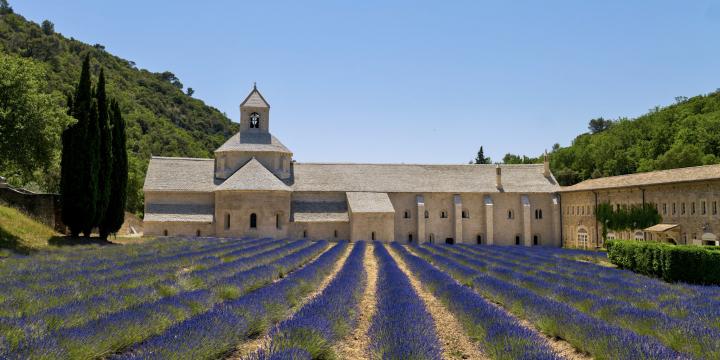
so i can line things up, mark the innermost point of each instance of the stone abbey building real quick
(254, 188)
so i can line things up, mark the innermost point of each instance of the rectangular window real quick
(664, 208)
(714, 208)
(703, 209)
(674, 209)
(682, 209)
(692, 208)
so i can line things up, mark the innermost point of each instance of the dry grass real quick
(355, 345)
(453, 339)
(21, 233)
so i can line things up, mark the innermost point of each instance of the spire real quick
(255, 99)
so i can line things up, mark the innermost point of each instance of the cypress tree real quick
(115, 214)
(105, 155)
(77, 193)
(92, 169)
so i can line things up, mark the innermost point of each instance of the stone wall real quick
(578, 211)
(43, 207)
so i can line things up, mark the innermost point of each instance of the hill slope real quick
(161, 118)
(686, 133)
(20, 233)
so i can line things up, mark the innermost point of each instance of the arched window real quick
(536, 240)
(227, 221)
(432, 238)
(197, 233)
(372, 235)
(410, 238)
(510, 214)
(335, 234)
(165, 232)
(479, 239)
(406, 215)
(253, 221)
(304, 234)
(427, 214)
(254, 120)
(538, 214)
(465, 214)
(517, 239)
(278, 225)
(443, 214)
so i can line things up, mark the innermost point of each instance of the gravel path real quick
(246, 348)
(354, 346)
(453, 339)
(560, 346)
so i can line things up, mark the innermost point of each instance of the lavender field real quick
(208, 298)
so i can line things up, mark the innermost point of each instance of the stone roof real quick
(368, 202)
(257, 142)
(389, 178)
(253, 176)
(697, 173)
(255, 99)
(180, 174)
(179, 212)
(302, 211)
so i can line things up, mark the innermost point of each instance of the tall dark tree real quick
(105, 155)
(480, 158)
(115, 214)
(79, 166)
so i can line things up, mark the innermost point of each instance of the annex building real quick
(253, 187)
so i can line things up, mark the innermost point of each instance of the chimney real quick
(498, 175)
(546, 163)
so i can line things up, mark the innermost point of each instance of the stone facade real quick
(687, 200)
(253, 188)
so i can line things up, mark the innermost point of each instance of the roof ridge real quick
(180, 158)
(417, 164)
(647, 173)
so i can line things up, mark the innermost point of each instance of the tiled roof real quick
(253, 176)
(180, 174)
(420, 178)
(257, 142)
(255, 99)
(179, 212)
(368, 202)
(319, 212)
(697, 173)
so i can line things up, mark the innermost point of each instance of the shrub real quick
(691, 264)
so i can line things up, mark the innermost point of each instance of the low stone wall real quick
(43, 207)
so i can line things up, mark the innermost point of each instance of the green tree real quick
(31, 120)
(48, 27)
(79, 169)
(115, 213)
(5, 8)
(599, 125)
(480, 158)
(105, 155)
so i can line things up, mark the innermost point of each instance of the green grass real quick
(22, 234)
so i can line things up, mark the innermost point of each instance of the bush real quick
(691, 264)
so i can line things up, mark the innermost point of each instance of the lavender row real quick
(216, 333)
(327, 318)
(121, 329)
(500, 335)
(402, 327)
(46, 296)
(555, 318)
(688, 336)
(121, 264)
(698, 304)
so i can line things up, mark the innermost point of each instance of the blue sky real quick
(414, 81)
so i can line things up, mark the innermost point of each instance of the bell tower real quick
(254, 114)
